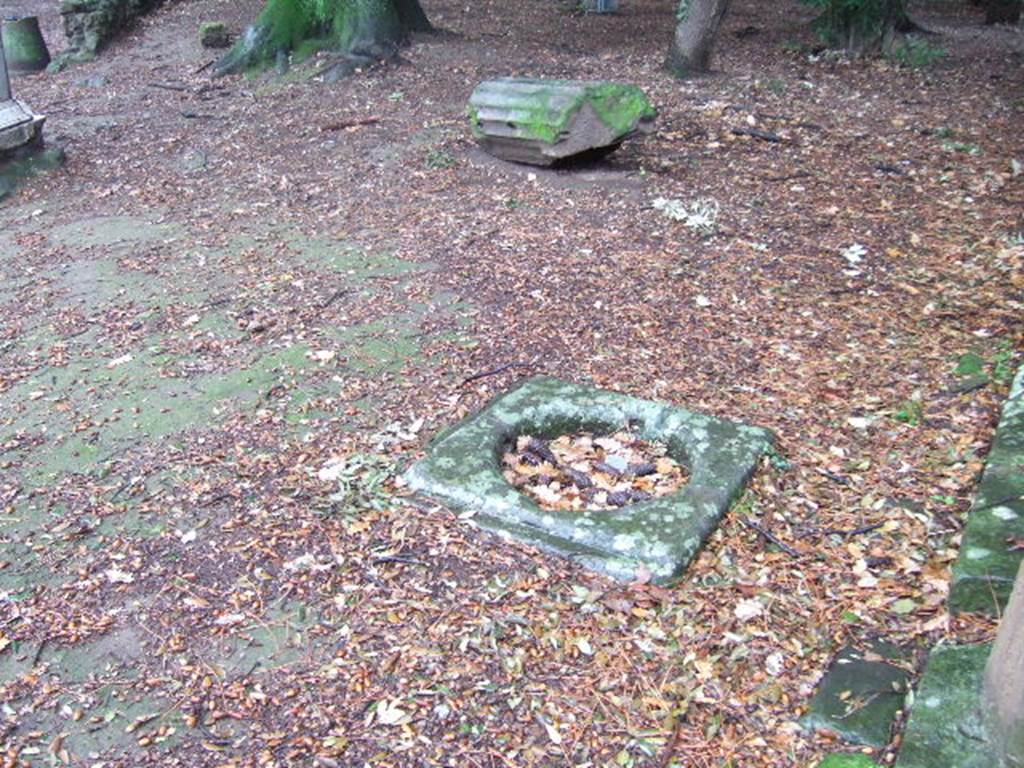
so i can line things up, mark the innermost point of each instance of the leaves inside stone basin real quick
(582, 471)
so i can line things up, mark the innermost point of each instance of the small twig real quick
(341, 124)
(756, 133)
(122, 488)
(673, 742)
(397, 559)
(213, 303)
(847, 533)
(251, 669)
(214, 739)
(790, 177)
(848, 289)
(39, 652)
(886, 168)
(770, 537)
(332, 298)
(213, 500)
(492, 372)
(168, 86)
(188, 114)
(204, 66)
(834, 477)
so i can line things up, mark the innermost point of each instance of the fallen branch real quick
(492, 372)
(790, 177)
(756, 133)
(332, 298)
(770, 537)
(397, 559)
(168, 86)
(39, 652)
(847, 533)
(188, 114)
(673, 742)
(887, 168)
(342, 124)
(834, 477)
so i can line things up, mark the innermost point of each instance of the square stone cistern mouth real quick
(659, 535)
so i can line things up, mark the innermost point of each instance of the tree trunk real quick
(412, 16)
(363, 31)
(694, 39)
(1003, 11)
(866, 28)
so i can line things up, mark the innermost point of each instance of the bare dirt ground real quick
(228, 320)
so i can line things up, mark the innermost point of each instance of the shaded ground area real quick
(228, 318)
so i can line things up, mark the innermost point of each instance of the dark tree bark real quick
(695, 34)
(411, 14)
(1003, 11)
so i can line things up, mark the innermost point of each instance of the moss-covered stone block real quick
(946, 727)
(214, 34)
(990, 553)
(19, 167)
(659, 536)
(540, 122)
(861, 694)
(24, 47)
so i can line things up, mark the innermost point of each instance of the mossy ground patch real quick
(659, 536)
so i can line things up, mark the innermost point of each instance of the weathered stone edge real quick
(461, 470)
(985, 569)
(945, 727)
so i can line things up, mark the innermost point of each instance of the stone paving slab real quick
(462, 469)
(946, 729)
(983, 574)
(861, 694)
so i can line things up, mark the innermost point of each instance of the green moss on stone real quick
(619, 106)
(544, 110)
(213, 34)
(474, 120)
(946, 727)
(986, 567)
(858, 699)
(16, 172)
(660, 535)
(847, 760)
(24, 47)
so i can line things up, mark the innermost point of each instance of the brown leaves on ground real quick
(584, 471)
(275, 616)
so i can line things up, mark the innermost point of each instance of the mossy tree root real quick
(865, 29)
(363, 29)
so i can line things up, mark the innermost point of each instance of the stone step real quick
(990, 551)
(946, 726)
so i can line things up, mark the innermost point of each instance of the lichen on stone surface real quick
(620, 107)
(984, 572)
(658, 536)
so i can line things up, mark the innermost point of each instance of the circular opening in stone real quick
(583, 471)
